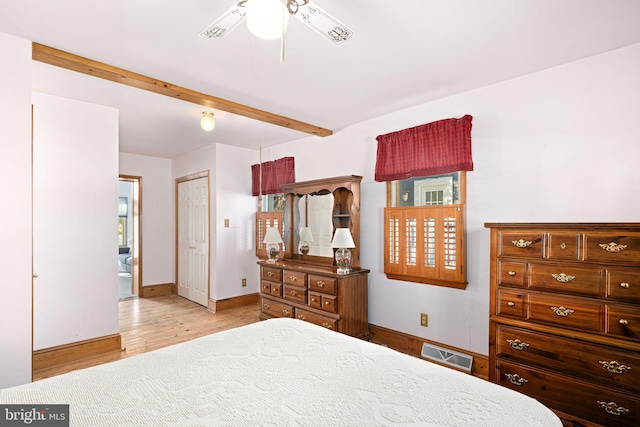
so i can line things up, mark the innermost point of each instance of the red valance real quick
(274, 174)
(430, 149)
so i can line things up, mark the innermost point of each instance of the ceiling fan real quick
(255, 12)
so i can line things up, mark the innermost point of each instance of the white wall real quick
(158, 208)
(557, 145)
(15, 216)
(75, 181)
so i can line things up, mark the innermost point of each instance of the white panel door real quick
(193, 240)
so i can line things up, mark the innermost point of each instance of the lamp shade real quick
(272, 236)
(305, 234)
(342, 239)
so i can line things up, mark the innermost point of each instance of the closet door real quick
(193, 240)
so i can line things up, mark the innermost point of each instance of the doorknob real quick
(35, 276)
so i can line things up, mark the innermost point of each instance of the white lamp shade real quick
(305, 234)
(207, 122)
(342, 239)
(272, 236)
(265, 18)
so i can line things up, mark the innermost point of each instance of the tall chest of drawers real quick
(565, 318)
(316, 294)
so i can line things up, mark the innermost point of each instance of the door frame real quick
(136, 247)
(191, 177)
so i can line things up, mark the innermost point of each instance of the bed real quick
(280, 372)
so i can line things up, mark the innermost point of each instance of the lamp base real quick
(273, 250)
(343, 261)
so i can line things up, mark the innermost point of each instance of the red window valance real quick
(430, 149)
(274, 174)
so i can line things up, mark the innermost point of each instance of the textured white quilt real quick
(280, 372)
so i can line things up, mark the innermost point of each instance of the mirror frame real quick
(346, 213)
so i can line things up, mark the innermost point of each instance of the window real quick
(424, 230)
(271, 214)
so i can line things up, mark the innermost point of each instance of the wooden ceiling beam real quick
(73, 62)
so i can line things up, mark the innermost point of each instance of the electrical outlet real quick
(244, 281)
(424, 319)
(226, 222)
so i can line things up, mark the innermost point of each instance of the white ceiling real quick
(403, 53)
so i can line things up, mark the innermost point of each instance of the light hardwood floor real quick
(150, 323)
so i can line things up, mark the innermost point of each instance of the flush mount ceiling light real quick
(305, 10)
(207, 122)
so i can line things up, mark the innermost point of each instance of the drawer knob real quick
(517, 344)
(286, 312)
(613, 247)
(266, 306)
(613, 408)
(327, 302)
(301, 317)
(521, 243)
(270, 273)
(614, 367)
(624, 285)
(563, 278)
(512, 273)
(320, 283)
(516, 379)
(293, 278)
(293, 292)
(313, 299)
(623, 321)
(561, 311)
(511, 304)
(327, 325)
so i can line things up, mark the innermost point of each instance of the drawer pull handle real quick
(563, 245)
(521, 243)
(614, 367)
(561, 311)
(512, 273)
(266, 306)
(519, 345)
(286, 312)
(327, 325)
(563, 278)
(293, 292)
(624, 285)
(613, 408)
(516, 379)
(613, 247)
(623, 321)
(320, 283)
(270, 273)
(301, 317)
(293, 278)
(511, 304)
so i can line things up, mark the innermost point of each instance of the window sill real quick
(435, 282)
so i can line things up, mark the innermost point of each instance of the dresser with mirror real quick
(304, 283)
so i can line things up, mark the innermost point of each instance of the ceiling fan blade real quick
(226, 22)
(323, 23)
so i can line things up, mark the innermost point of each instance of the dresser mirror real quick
(321, 205)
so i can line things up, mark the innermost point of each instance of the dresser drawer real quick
(510, 303)
(315, 299)
(512, 273)
(564, 246)
(525, 244)
(567, 279)
(323, 284)
(271, 274)
(568, 312)
(295, 293)
(623, 284)
(623, 321)
(569, 356)
(326, 322)
(275, 308)
(265, 287)
(294, 278)
(606, 406)
(616, 249)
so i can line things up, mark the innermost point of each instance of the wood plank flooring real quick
(150, 323)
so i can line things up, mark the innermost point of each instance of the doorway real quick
(129, 236)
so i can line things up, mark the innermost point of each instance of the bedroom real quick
(555, 145)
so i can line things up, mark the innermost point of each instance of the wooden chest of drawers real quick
(316, 294)
(565, 318)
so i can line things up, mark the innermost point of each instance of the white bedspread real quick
(280, 372)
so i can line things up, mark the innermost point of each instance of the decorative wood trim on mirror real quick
(346, 213)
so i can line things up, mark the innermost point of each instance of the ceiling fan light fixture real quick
(207, 122)
(267, 19)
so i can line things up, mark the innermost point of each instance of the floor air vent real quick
(448, 357)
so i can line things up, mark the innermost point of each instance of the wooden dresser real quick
(316, 294)
(565, 318)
